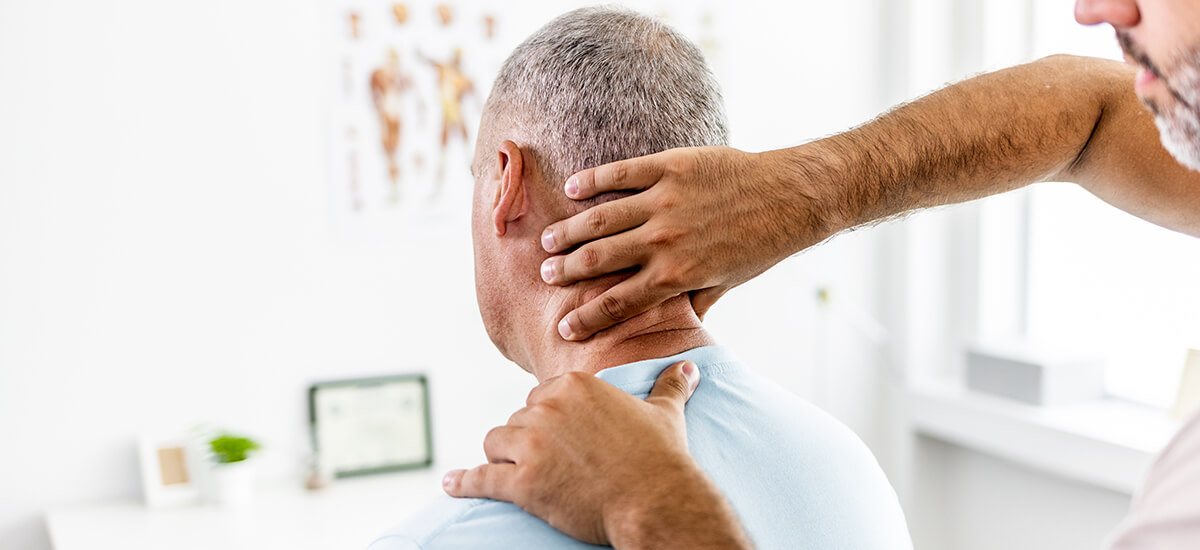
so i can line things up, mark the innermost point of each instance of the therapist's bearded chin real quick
(1172, 93)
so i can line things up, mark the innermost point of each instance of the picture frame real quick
(365, 426)
(1187, 401)
(170, 470)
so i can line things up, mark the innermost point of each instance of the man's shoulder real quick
(780, 432)
(473, 523)
(796, 475)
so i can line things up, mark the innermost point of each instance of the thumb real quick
(702, 300)
(675, 385)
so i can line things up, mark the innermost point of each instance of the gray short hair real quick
(601, 84)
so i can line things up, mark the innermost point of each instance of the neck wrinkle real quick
(666, 330)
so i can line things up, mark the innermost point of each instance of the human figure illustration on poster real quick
(388, 85)
(453, 86)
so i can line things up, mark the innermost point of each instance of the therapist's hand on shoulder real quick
(603, 466)
(706, 220)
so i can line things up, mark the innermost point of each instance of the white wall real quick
(969, 500)
(167, 255)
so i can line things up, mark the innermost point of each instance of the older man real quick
(1057, 119)
(592, 86)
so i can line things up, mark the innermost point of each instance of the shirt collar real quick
(638, 378)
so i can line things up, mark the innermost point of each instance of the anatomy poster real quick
(412, 80)
(409, 85)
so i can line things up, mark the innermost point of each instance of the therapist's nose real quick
(1118, 13)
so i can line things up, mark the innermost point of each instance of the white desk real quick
(349, 514)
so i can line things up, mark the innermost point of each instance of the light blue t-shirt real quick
(796, 477)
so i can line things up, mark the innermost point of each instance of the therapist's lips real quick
(1146, 82)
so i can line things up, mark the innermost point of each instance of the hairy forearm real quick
(694, 516)
(1057, 119)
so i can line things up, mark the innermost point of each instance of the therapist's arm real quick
(712, 218)
(606, 467)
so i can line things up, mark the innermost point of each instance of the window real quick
(1102, 280)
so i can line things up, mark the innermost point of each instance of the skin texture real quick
(511, 207)
(1058, 119)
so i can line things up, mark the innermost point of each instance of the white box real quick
(1033, 376)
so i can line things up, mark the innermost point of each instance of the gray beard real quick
(1179, 125)
(1181, 136)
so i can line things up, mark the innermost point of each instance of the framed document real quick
(371, 425)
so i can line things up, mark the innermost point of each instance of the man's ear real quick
(510, 201)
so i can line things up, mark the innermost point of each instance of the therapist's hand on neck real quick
(705, 220)
(596, 463)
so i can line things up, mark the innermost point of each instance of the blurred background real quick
(201, 215)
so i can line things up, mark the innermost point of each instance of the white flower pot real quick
(233, 484)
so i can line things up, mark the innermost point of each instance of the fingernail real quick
(572, 186)
(689, 370)
(564, 330)
(549, 267)
(450, 478)
(548, 240)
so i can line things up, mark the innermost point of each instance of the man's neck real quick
(669, 329)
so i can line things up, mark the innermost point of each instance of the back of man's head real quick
(601, 84)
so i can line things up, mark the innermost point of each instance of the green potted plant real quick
(233, 471)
